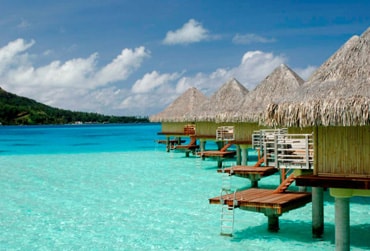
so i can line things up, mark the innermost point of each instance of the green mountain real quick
(16, 110)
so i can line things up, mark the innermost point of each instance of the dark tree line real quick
(16, 110)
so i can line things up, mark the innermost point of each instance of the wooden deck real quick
(205, 136)
(265, 200)
(172, 133)
(333, 181)
(222, 154)
(191, 148)
(250, 171)
(171, 141)
(241, 142)
(187, 147)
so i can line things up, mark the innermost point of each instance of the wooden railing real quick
(283, 150)
(225, 133)
(264, 141)
(295, 151)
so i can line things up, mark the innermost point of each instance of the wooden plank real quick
(264, 200)
(217, 153)
(171, 133)
(357, 182)
(248, 170)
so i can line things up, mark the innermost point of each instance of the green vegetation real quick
(16, 110)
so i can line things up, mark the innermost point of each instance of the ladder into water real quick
(227, 211)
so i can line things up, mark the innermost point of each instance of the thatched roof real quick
(338, 93)
(281, 81)
(227, 99)
(181, 107)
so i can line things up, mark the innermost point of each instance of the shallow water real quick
(113, 188)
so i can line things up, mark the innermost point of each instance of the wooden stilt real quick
(342, 236)
(238, 155)
(317, 212)
(273, 223)
(168, 146)
(254, 183)
(244, 151)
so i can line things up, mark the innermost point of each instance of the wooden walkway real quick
(265, 200)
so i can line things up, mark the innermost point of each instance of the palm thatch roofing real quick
(227, 99)
(281, 81)
(181, 107)
(337, 94)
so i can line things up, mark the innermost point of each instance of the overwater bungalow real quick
(335, 101)
(281, 81)
(271, 202)
(172, 119)
(227, 98)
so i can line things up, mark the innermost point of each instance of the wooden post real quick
(317, 212)
(342, 236)
(254, 183)
(273, 223)
(238, 155)
(282, 174)
(202, 143)
(168, 144)
(219, 162)
(244, 153)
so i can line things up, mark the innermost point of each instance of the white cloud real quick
(251, 38)
(71, 73)
(122, 66)
(80, 84)
(77, 84)
(79, 73)
(190, 32)
(151, 81)
(10, 54)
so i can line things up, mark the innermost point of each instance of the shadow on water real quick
(360, 200)
(292, 230)
(301, 231)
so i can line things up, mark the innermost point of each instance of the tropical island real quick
(17, 110)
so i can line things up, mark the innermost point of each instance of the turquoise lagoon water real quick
(112, 187)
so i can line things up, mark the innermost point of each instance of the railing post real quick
(307, 153)
(275, 150)
(264, 149)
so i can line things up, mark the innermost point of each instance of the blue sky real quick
(135, 57)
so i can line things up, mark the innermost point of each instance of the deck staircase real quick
(285, 184)
(225, 147)
(260, 162)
